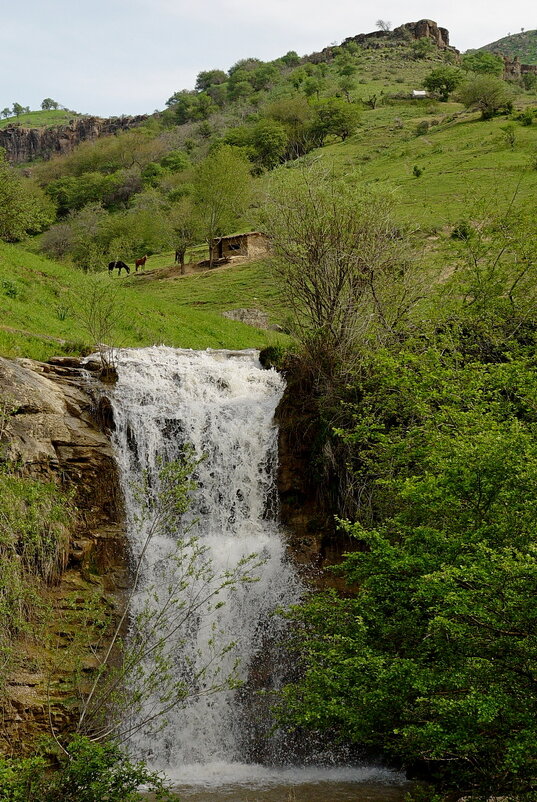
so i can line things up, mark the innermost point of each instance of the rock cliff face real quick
(305, 507)
(55, 434)
(513, 69)
(26, 144)
(423, 29)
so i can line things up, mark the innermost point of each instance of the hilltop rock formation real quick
(399, 37)
(26, 144)
(424, 28)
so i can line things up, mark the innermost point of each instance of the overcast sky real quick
(111, 57)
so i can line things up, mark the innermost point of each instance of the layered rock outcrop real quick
(399, 37)
(513, 69)
(26, 144)
(409, 31)
(53, 431)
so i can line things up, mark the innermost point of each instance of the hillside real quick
(40, 119)
(350, 107)
(518, 45)
(44, 307)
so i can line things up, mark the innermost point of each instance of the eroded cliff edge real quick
(54, 432)
(23, 144)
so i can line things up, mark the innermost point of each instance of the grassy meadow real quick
(42, 307)
(40, 119)
(457, 167)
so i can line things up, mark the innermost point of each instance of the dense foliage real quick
(87, 772)
(24, 208)
(432, 660)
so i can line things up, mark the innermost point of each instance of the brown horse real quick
(140, 262)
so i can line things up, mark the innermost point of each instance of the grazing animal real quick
(140, 262)
(120, 266)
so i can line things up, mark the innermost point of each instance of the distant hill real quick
(523, 45)
(40, 119)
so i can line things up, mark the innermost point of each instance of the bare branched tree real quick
(342, 262)
(383, 25)
(100, 310)
(144, 674)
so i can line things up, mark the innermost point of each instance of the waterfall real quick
(222, 404)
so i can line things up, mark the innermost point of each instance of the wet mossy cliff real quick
(52, 430)
(310, 482)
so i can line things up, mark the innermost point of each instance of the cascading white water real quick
(222, 403)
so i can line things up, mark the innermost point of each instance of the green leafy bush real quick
(88, 772)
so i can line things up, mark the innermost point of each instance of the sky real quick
(112, 57)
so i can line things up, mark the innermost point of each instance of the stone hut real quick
(253, 245)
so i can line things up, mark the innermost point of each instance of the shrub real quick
(88, 772)
(462, 231)
(509, 134)
(422, 127)
(488, 94)
(526, 117)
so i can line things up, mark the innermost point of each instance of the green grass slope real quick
(40, 119)
(523, 45)
(464, 161)
(40, 303)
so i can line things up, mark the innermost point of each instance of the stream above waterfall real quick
(222, 746)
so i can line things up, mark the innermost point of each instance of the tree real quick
(443, 80)
(347, 84)
(24, 207)
(221, 191)
(383, 25)
(337, 251)
(483, 63)
(291, 58)
(182, 104)
(264, 76)
(336, 117)
(209, 78)
(100, 311)
(486, 93)
(185, 223)
(430, 662)
(6, 112)
(48, 103)
(422, 48)
(313, 85)
(297, 116)
(269, 138)
(17, 109)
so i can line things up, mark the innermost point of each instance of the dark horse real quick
(120, 266)
(140, 262)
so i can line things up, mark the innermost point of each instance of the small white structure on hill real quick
(419, 93)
